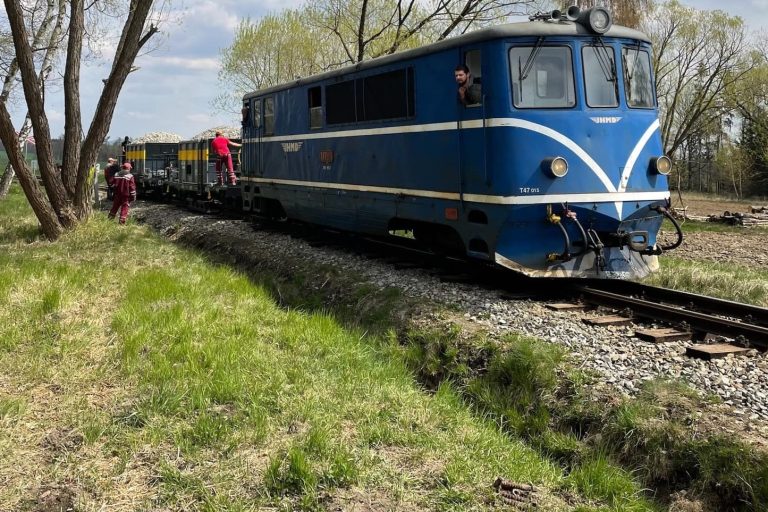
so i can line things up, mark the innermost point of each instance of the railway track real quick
(700, 317)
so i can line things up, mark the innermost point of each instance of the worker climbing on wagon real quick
(220, 146)
(124, 187)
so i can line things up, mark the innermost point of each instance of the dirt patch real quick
(62, 440)
(742, 246)
(55, 498)
(738, 245)
(705, 206)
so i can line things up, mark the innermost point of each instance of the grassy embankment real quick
(137, 374)
(724, 280)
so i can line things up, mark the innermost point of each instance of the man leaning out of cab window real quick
(469, 93)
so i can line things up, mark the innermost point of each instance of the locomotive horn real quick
(555, 15)
(572, 14)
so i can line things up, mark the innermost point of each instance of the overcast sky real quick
(173, 89)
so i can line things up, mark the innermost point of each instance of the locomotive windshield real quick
(542, 77)
(600, 76)
(637, 77)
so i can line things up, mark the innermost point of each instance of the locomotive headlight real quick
(600, 20)
(557, 167)
(662, 165)
(596, 19)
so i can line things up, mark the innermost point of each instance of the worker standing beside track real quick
(110, 171)
(125, 192)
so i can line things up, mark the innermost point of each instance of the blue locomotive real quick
(552, 167)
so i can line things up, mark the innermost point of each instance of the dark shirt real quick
(110, 171)
(473, 96)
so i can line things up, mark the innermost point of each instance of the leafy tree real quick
(754, 144)
(274, 49)
(370, 28)
(331, 33)
(698, 55)
(748, 98)
(64, 200)
(735, 168)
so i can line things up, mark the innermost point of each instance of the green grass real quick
(168, 382)
(726, 281)
(17, 224)
(599, 478)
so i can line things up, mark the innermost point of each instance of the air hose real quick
(571, 215)
(566, 255)
(664, 211)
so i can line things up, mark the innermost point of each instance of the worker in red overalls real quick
(125, 192)
(220, 146)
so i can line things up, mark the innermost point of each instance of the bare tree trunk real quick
(49, 220)
(68, 194)
(6, 180)
(42, 32)
(74, 127)
(105, 108)
(35, 104)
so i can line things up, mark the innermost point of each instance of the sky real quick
(174, 88)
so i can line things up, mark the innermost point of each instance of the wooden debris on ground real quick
(519, 495)
(742, 219)
(714, 350)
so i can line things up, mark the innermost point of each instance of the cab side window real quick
(472, 59)
(256, 113)
(269, 116)
(314, 97)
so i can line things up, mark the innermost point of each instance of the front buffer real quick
(580, 240)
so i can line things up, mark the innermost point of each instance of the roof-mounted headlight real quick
(596, 19)
(662, 165)
(556, 167)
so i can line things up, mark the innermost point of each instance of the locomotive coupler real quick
(635, 240)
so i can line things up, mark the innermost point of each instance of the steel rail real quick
(753, 314)
(743, 332)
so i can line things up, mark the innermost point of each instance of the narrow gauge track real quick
(699, 314)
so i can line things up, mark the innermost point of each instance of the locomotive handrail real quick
(485, 143)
